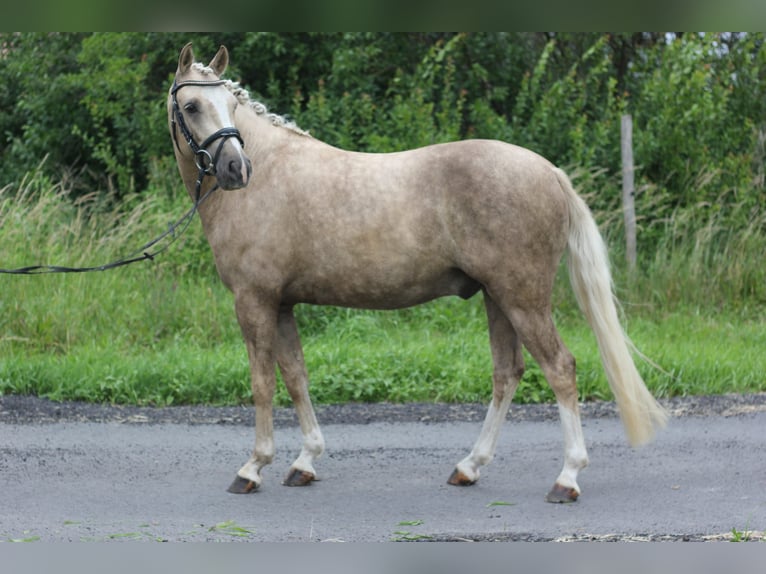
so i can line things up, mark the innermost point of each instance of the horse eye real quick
(191, 107)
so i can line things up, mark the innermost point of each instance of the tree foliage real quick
(94, 104)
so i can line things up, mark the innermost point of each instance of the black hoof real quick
(298, 478)
(457, 478)
(561, 494)
(242, 486)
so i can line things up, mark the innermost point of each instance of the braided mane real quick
(243, 97)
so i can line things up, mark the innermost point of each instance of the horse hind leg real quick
(541, 338)
(508, 362)
(292, 365)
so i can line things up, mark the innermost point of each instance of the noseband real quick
(202, 158)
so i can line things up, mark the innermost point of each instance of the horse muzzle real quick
(233, 169)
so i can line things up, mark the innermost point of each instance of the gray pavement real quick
(703, 477)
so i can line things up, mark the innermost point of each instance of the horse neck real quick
(262, 136)
(262, 139)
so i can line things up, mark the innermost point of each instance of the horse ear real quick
(221, 60)
(186, 59)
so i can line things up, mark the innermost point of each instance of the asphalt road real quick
(137, 475)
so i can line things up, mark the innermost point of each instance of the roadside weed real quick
(406, 535)
(26, 537)
(231, 528)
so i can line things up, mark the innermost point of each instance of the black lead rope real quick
(206, 165)
(140, 254)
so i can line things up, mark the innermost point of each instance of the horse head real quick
(201, 112)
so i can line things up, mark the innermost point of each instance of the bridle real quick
(204, 161)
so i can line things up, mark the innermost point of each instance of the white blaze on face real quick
(219, 100)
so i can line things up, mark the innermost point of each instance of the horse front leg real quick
(293, 368)
(258, 322)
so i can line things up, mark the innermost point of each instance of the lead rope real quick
(140, 254)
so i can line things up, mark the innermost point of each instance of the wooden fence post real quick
(628, 189)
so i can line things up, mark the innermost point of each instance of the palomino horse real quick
(299, 221)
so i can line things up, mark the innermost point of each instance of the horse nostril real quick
(240, 168)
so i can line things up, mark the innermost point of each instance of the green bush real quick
(694, 142)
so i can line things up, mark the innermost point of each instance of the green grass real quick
(395, 356)
(164, 332)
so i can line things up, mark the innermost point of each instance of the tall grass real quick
(175, 296)
(702, 261)
(164, 332)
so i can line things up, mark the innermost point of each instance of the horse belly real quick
(377, 288)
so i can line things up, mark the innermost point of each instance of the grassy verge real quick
(386, 357)
(165, 333)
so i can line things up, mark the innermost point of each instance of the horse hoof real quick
(299, 478)
(457, 478)
(559, 494)
(242, 486)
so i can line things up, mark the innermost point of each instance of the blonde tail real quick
(591, 280)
